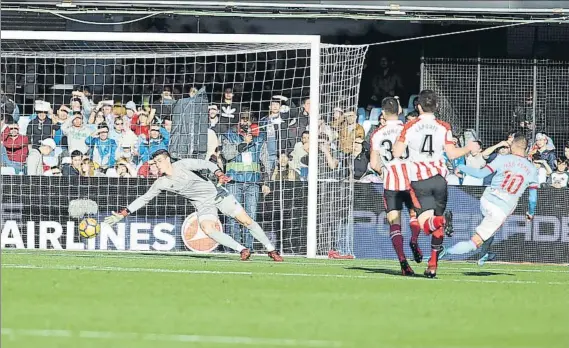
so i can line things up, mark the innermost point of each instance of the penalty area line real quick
(156, 337)
(270, 274)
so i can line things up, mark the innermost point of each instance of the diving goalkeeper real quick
(514, 173)
(183, 177)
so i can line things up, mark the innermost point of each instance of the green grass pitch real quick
(122, 300)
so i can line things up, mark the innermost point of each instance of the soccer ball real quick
(89, 228)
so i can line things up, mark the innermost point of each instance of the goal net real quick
(245, 102)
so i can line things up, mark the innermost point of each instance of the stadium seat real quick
(375, 114)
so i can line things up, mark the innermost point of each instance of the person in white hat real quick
(77, 132)
(35, 158)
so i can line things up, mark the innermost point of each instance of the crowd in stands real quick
(109, 138)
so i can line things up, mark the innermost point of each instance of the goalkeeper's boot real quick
(275, 256)
(406, 270)
(483, 260)
(417, 253)
(449, 230)
(245, 254)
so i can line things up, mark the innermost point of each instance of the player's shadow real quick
(377, 270)
(486, 274)
(193, 256)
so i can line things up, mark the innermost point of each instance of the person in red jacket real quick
(14, 149)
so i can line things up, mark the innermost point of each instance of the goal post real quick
(122, 65)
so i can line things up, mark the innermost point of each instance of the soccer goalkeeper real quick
(183, 177)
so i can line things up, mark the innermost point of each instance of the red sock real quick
(433, 223)
(436, 245)
(397, 240)
(415, 229)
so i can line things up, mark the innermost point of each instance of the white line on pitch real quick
(230, 340)
(276, 274)
(452, 265)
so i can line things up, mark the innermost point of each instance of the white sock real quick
(261, 236)
(225, 240)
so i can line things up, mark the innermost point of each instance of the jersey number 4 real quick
(427, 146)
(512, 182)
(388, 146)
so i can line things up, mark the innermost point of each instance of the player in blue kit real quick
(514, 173)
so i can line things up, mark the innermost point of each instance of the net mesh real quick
(188, 98)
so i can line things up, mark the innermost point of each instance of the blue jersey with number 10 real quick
(513, 175)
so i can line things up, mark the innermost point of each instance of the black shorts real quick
(430, 194)
(394, 200)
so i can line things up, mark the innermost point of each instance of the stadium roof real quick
(471, 11)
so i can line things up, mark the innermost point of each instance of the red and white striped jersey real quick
(395, 170)
(426, 138)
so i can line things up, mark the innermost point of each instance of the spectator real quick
(283, 170)
(164, 109)
(387, 83)
(53, 171)
(130, 114)
(77, 132)
(141, 123)
(475, 159)
(59, 118)
(566, 150)
(300, 150)
(88, 168)
(158, 140)
(40, 127)
(80, 102)
(123, 169)
(300, 123)
(149, 170)
(349, 132)
(35, 158)
(413, 114)
(276, 128)
(229, 111)
(524, 118)
(243, 148)
(189, 125)
(9, 107)
(544, 147)
(123, 137)
(102, 148)
(14, 149)
(103, 113)
(357, 164)
(559, 178)
(543, 168)
(73, 168)
(327, 163)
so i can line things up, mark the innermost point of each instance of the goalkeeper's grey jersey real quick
(186, 181)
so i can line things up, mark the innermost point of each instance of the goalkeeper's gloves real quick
(221, 177)
(116, 217)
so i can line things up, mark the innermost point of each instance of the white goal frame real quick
(312, 40)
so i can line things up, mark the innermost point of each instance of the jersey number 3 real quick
(388, 146)
(512, 182)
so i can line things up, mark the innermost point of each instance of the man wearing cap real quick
(546, 150)
(77, 132)
(130, 113)
(40, 127)
(14, 149)
(35, 158)
(276, 125)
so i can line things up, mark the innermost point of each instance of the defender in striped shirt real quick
(396, 182)
(427, 139)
